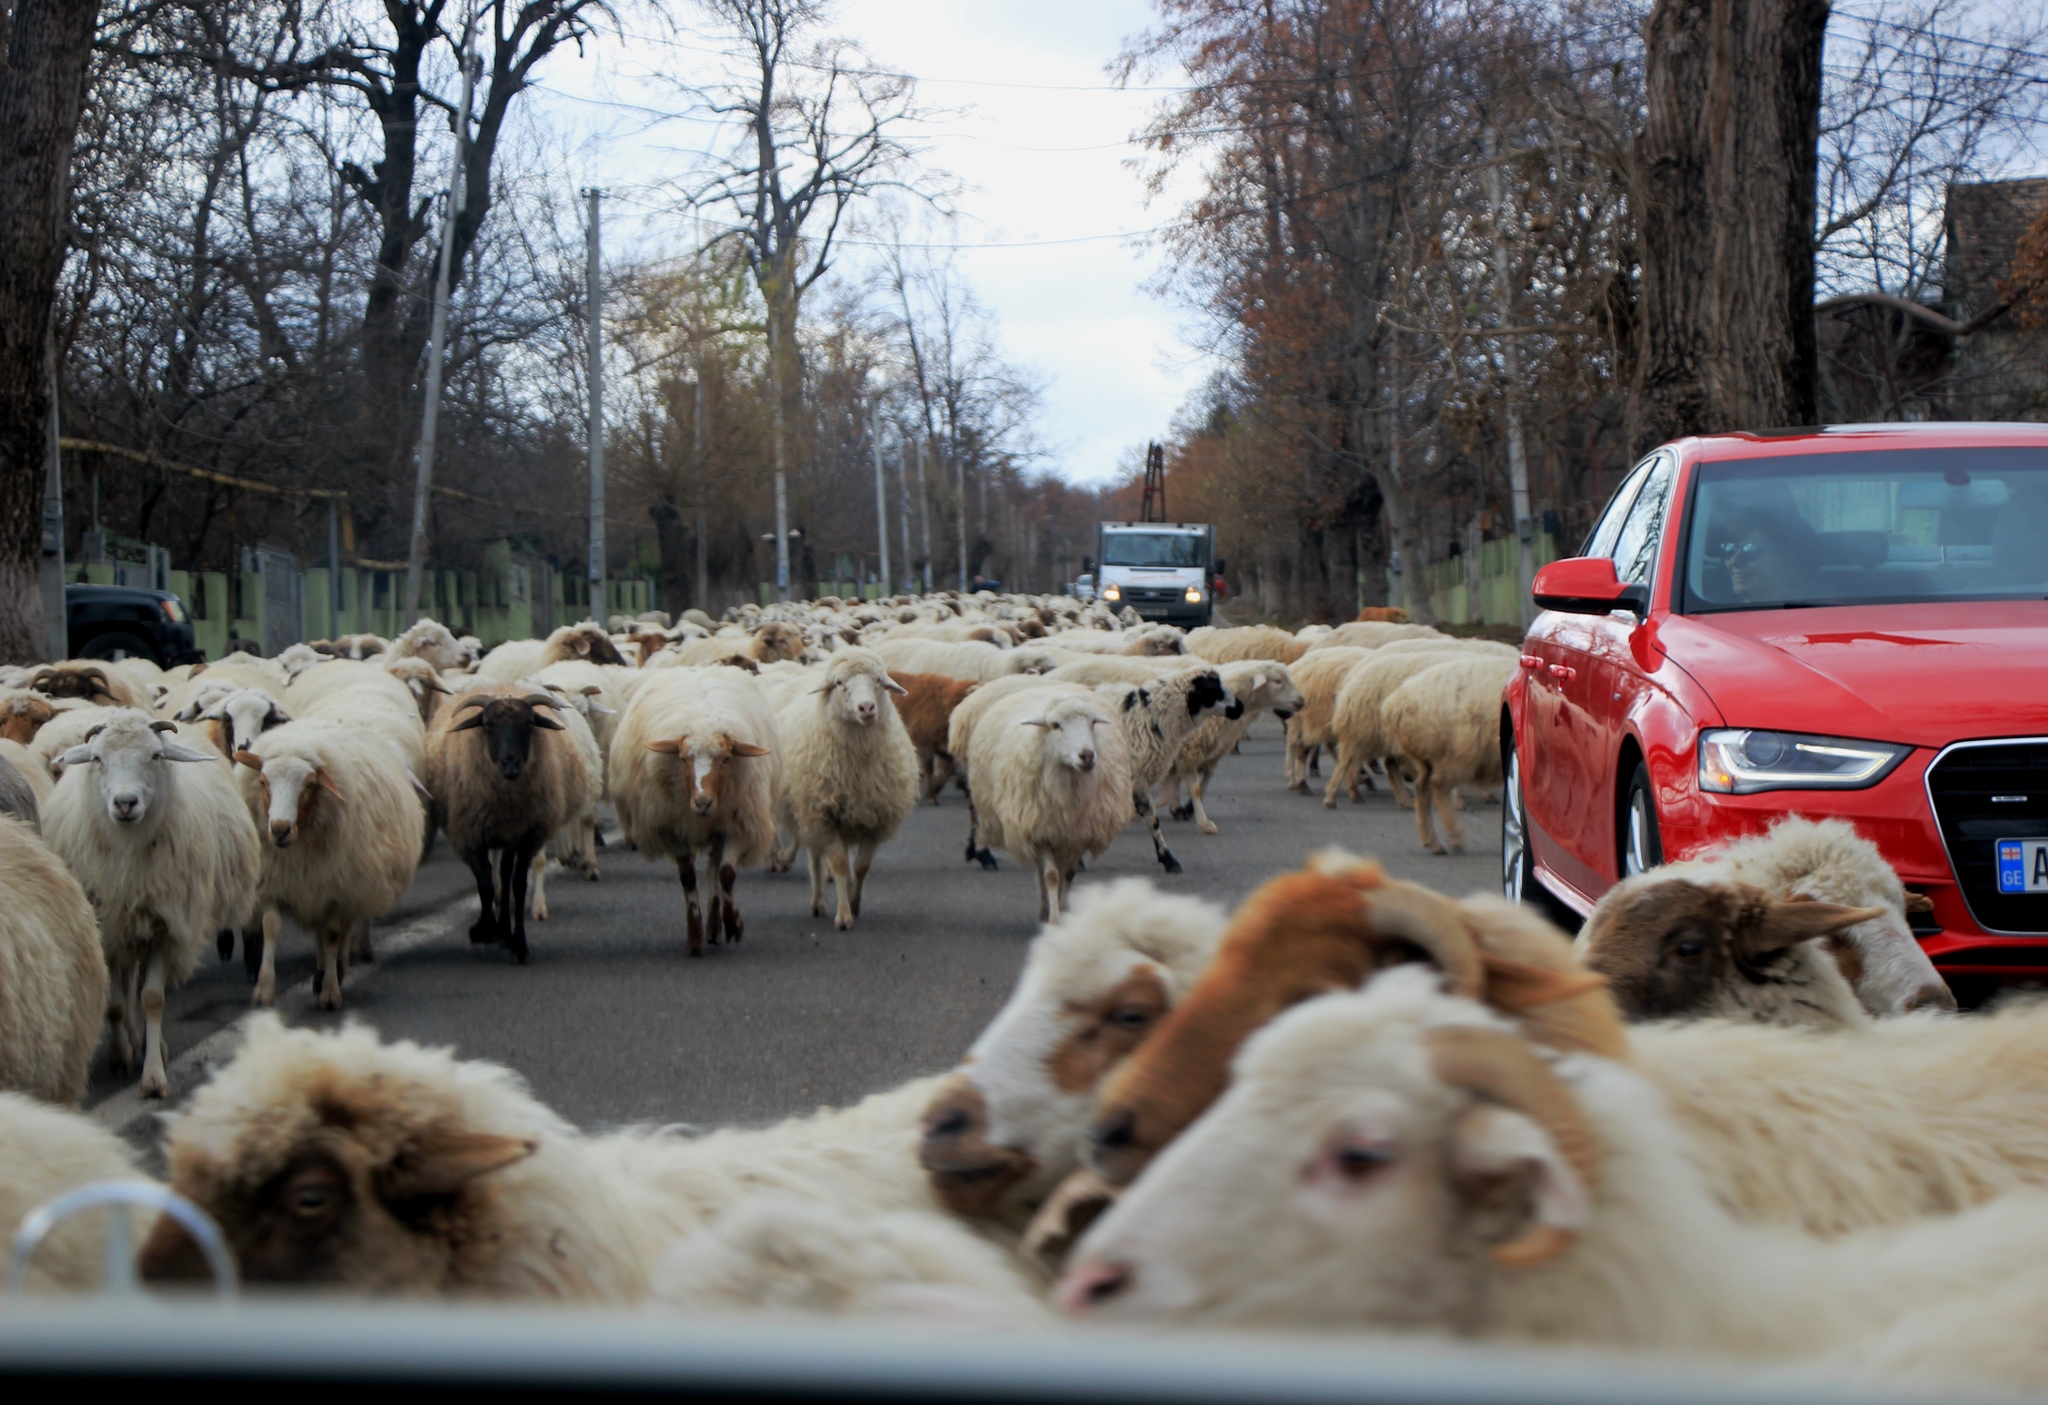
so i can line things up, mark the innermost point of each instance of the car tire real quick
(1642, 843)
(1517, 865)
(117, 645)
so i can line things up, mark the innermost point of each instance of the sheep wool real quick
(45, 1152)
(53, 975)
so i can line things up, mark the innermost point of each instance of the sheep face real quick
(1678, 948)
(1069, 734)
(126, 755)
(1206, 695)
(508, 725)
(855, 691)
(359, 1199)
(289, 790)
(244, 715)
(774, 641)
(1351, 1177)
(1032, 661)
(1298, 936)
(704, 769)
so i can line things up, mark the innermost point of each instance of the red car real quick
(1846, 621)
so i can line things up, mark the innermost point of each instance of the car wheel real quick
(1642, 847)
(115, 646)
(1517, 869)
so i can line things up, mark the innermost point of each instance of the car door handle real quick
(1558, 670)
(1531, 661)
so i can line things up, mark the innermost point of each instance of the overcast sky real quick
(1040, 139)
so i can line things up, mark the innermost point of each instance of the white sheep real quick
(1358, 735)
(1445, 721)
(1262, 686)
(53, 975)
(20, 798)
(696, 764)
(159, 838)
(434, 642)
(343, 831)
(1219, 644)
(1403, 1159)
(1743, 959)
(1370, 634)
(849, 776)
(234, 720)
(1320, 675)
(1051, 783)
(977, 662)
(362, 695)
(529, 1207)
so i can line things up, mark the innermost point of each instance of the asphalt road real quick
(611, 1023)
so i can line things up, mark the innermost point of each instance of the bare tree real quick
(819, 133)
(47, 44)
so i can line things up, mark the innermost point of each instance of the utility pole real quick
(903, 503)
(881, 493)
(1511, 370)
(960, 486)
(334, 566)
(924, 510)
(437, 339)
(593, 280)
(697, 462)
(56, 613)
(779, 440)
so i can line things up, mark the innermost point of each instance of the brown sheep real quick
(773, 641)
(1386, 614)
(927, 710)
(22, 716)
(94, 682)
(586, 641)
(505, 776)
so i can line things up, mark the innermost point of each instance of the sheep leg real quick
(1293, 770)
(521, 861)
(252, 951)
(588, 844)
(975, 852)
(864, 858)
(266, 975)
(224, 943)
(485, 929)
(686, 869)
(1396, 775)
(1446, 813)
(943, 769)
(1347, 762)
(1198, 783)
(538, 906)
(842, 886)
(1143, 803)
(1424, 782)
(817, 884)
(1048, 889)
(735, 926)
(359, 948)
(1315, 762)
(506, 858)
(155, 1081)
(120, 1015)
(330, 942)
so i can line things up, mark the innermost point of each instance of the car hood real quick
(1925, 675)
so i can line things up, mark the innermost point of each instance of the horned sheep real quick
(157, 835)
(695, 765)
(1354, 1174)
(850, 774)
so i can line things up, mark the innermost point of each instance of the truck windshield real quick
(1151, 549)
(1890, 526)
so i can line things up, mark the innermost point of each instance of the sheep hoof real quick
(987, 859)
(1182, 812)
(1168, 862)
(154, 1085)
(1329, 802)
(843, 922)
(734, 927)
(591, 873)
(224, 943)
(1209, 827)
(483, 932)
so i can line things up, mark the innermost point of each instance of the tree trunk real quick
(42, 89)
(1727, 160)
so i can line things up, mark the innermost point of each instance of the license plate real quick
(2023, 865)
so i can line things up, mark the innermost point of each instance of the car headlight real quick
(1738, 761)
(173, 611)
(1110, 592)
(1194, 595)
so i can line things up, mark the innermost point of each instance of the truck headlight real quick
(1194, 595)
(1111, 593)
(173, 611)
(1738, 761)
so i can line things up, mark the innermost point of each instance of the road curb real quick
(128, 1114)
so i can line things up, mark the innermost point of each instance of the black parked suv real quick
(119, 621)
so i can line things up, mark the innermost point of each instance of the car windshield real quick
(1887, 526)
(1151, 549)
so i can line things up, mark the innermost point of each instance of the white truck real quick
(1163, 570)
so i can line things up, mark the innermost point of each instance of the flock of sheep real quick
(1737, 1116)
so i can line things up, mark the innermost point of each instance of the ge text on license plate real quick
(2023, 865)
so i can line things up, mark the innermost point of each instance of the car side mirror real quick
(1587, 585)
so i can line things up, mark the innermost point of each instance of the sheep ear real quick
(77, 755)
(189, 713)
(598, 709)
(435, 685)
(178, 751)
(326, 783)
(419, 785)
(277, 716)
(441, 1163)
(249, 759)
(1035, 722)
(893, 686)
(1494, 1143)
(748, 749)
(666, 747)
(1776, 924)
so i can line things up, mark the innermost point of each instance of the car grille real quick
(1960, 785)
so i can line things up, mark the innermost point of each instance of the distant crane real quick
(1153, 509)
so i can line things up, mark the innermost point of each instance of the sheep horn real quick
(475, 700)
(163, 725)
(435, 685)
(1433, 923)
(542, 700)
(1505, 1069)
